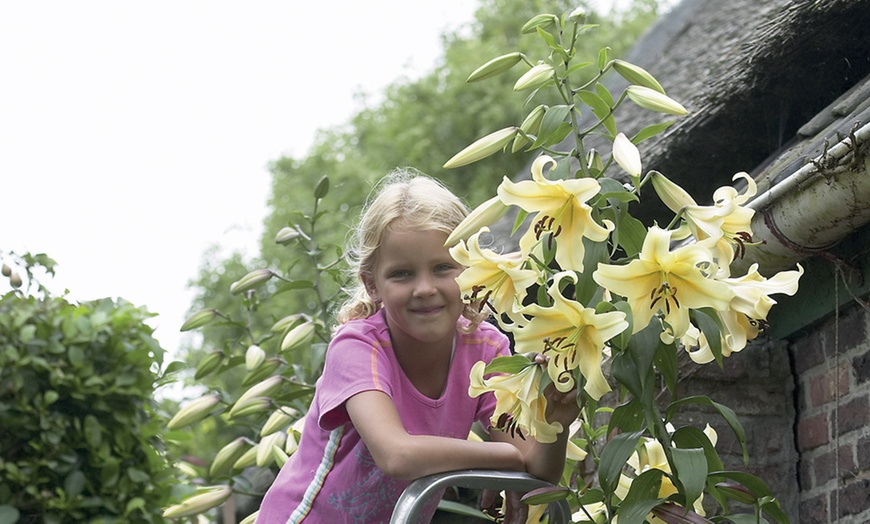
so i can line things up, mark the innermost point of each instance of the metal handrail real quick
(420, 492)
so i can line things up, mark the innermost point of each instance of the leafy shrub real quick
(79, 436)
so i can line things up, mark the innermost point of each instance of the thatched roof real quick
(752, 74)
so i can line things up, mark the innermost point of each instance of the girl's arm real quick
(405, 456)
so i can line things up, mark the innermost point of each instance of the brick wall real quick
(832, 366)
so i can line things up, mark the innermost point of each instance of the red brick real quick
(813, 432)
(853, 415)
(853, 498)
(829, 386)
(814, 510)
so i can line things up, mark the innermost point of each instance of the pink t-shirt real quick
(332, 477)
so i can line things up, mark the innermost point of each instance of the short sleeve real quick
(355, 362)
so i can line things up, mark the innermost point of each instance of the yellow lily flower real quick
(489, 277)
(718, 227)
(561, 209)
(572, 336)
(520, 404)
(665, 281)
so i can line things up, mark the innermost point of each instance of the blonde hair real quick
(408, 198)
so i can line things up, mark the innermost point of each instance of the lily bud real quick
(577, 15)
(251, 280)
(250, 519)
(654, 101)
(674, 514)
(254, 356)
(594, 161)
(262, 389)
(278, 420)
(286, 234)
(532, 123)
(484, 215)
(535, 77)
(227, 456)
(15, 280)
(482, 148)
(280, 457)
(286, 322)
(298, 336)
(292, 443)
(187, 468)
(199, 319)
(202, 501)
(543, 21)
(207, 365)
(636, 75)
(250, 406)
(671, 195)
(627, 156)
(322, 188)
(265, 455)
(494, 67)
(6, 271)
(248, 458)
(264, 370)
(194, 411)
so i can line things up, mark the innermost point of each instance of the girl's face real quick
(415, 280)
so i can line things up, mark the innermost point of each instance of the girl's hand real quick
(561, 407)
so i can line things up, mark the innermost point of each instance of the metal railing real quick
(420, 493)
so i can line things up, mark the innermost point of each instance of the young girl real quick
(392, 404)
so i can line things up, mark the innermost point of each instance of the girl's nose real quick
(424, 287)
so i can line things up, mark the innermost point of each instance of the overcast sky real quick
(133, 135)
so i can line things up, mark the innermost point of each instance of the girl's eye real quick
(401, 273)
(444, 267)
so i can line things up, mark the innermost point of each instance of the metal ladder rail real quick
(421, 491)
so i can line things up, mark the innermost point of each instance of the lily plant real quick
(608, 300)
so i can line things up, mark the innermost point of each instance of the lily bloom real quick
(489, 277)
(561, 210)
(665, 281)
(572, 336)
(520, 404)
(719, 227)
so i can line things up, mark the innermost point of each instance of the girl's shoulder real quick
(373, 329)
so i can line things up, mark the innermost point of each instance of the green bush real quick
(79, 435)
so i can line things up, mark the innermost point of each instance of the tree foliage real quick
(79, 429)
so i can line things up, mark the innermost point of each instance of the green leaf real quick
(726, 413)
(546, 495)
(461, 509)
(511, 364)
(642, 497)
(602, 58)
(599, 107)
(690, 466)
(706, 320)
(9, 514)
(614, 457)
(93, 431)
(74, 484)
(627, 417)
(668, 365)
(650, 131)
(691, 437)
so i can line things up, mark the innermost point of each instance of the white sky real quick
(133, 135)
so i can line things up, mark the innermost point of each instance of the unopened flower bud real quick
(494, 67)
(199, 319)
(278, 420)
(251, 280)
(262, 389)
(204, 500)
(7, 271)
(280, 456)
(636, 75)
(227, 456)
(484, 215)
(15, 280)
(322, 187)
(260, 373)
(248, 458)
(298, 337)
(194, 411)
(210, 363)
(535, 77)
(250, 406)
(627, 156)
(265, 454)
(578, 15)
(654, 101)
(254, 356)
(482, 148)
(286, 234)
(543, 21)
